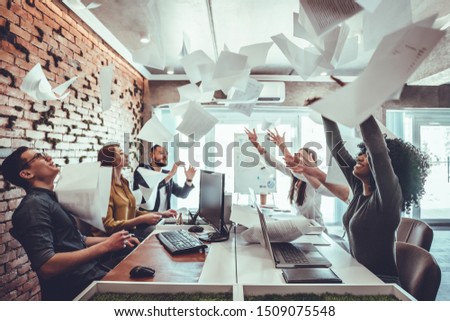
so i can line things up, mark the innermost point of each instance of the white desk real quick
(237, 262)
(254, 265)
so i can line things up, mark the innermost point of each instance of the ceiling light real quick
(323, 73)
(144, 38)
(170, 71)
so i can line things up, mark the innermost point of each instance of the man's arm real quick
(63, 262)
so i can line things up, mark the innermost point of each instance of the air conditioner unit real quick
(272, 92)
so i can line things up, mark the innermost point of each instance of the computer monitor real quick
(212, 204)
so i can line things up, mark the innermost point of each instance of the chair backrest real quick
(419, 273)
(415, 232)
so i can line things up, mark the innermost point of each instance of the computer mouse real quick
(195, 229)
(142, 272)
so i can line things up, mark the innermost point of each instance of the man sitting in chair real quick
(64, 260)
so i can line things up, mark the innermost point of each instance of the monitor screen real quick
(211, 205)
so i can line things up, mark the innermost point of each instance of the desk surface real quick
(230, 262)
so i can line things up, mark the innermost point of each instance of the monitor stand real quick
(216, 236)
(213, 237)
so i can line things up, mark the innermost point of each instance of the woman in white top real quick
(305, 192)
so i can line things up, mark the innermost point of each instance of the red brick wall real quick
(71, 131)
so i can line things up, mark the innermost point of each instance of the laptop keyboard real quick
(180, 242)
(290, 253)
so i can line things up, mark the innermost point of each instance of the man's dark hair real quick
(11, 167)
(152, 149)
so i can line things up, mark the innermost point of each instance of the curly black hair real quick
(411, 167)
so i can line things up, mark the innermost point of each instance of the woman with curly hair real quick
(387, 177)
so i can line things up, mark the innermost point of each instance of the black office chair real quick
(420, 274)
(416, 232)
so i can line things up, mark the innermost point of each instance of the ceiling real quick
(212, 24)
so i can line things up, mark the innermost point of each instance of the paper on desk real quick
(256, 53)
(244, 215)
(105, 81)
(279, 231)
(395, 59)
(318, 17)
(83, 189)
(388, 17)
(155, 132)
(197, 121)
(192, 62)
(36, 85)
(304, 61)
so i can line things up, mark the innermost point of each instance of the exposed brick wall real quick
(71, 131)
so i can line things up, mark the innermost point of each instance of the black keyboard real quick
(180, 242)
(290, 253)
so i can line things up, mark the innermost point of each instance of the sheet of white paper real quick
(387, 18)
(251, 93)
(155, 132)
(83, 189)
(197, 121)
(105, 82)
(391, 66)
(334, 174)
(256, 53)
(304, 61)
(151, 55)
(244, 215)
(179, 109)
(301, 32)
(36, 85)
(63, 87)
(189, 92)
(192, 62)
(231, 70)
(152, 178)
(318, 17)
(348, 53)
(137, 194)
(243, 108)
(279, 231)
(186, 48)
(369, 5)
(268, 124)
(146, 192)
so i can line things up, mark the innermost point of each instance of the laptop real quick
(289, 255)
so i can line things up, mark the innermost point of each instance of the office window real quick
(299, 129)
(428, 129)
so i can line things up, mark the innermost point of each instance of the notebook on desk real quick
(289, 255)
(313, 275)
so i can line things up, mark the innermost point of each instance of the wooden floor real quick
(441, 252)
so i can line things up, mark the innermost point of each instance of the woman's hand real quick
(253, 138)
(168, 213)
(151, 218)
(276, 138)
